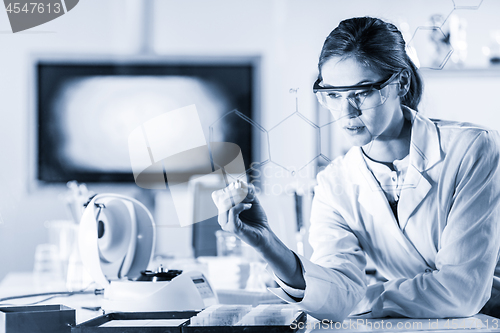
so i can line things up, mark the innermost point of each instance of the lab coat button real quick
(428, 270)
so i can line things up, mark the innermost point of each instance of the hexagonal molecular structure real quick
(292, 132)
(432, 47)
(467, 4)
(332, 142)
(235, 124)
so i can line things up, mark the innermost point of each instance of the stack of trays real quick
(214, 319)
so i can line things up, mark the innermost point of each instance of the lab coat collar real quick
(425, 149)
(374, 202)
(425, 152)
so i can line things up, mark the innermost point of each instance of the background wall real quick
(287, 34)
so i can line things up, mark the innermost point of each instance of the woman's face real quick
(362, 127)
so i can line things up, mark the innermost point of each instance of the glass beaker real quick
(228, 244)
(47, 270)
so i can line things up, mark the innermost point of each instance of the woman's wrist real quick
(269, 243)
(282, 261)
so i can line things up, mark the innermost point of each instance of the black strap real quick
(394, 208)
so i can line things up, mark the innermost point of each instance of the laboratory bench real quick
(87, 307)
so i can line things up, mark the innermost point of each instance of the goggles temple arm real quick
(377, 85)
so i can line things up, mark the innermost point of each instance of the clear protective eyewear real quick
(361, 97)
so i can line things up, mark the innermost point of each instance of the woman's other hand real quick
(241, 213)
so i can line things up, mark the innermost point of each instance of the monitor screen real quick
(86, 111)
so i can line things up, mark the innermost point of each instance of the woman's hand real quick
(241, 213)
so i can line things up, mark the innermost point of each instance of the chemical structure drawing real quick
(422, 40)
(238, 118)
(288, 128)
(467, 4)
(325, 129)
(435, 38)
(429, 47)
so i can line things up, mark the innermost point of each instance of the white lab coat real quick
(441, 260)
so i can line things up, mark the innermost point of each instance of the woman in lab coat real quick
(419, 196)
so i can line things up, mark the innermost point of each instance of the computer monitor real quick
(87, 108)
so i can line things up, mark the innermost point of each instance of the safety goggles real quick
(361, 97)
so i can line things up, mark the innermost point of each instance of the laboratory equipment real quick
(270, 315)
(245, 318)
(47, 273)
(191, 321)
(220, 315)
(228, 244)
(116, 241)
(54, 318)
